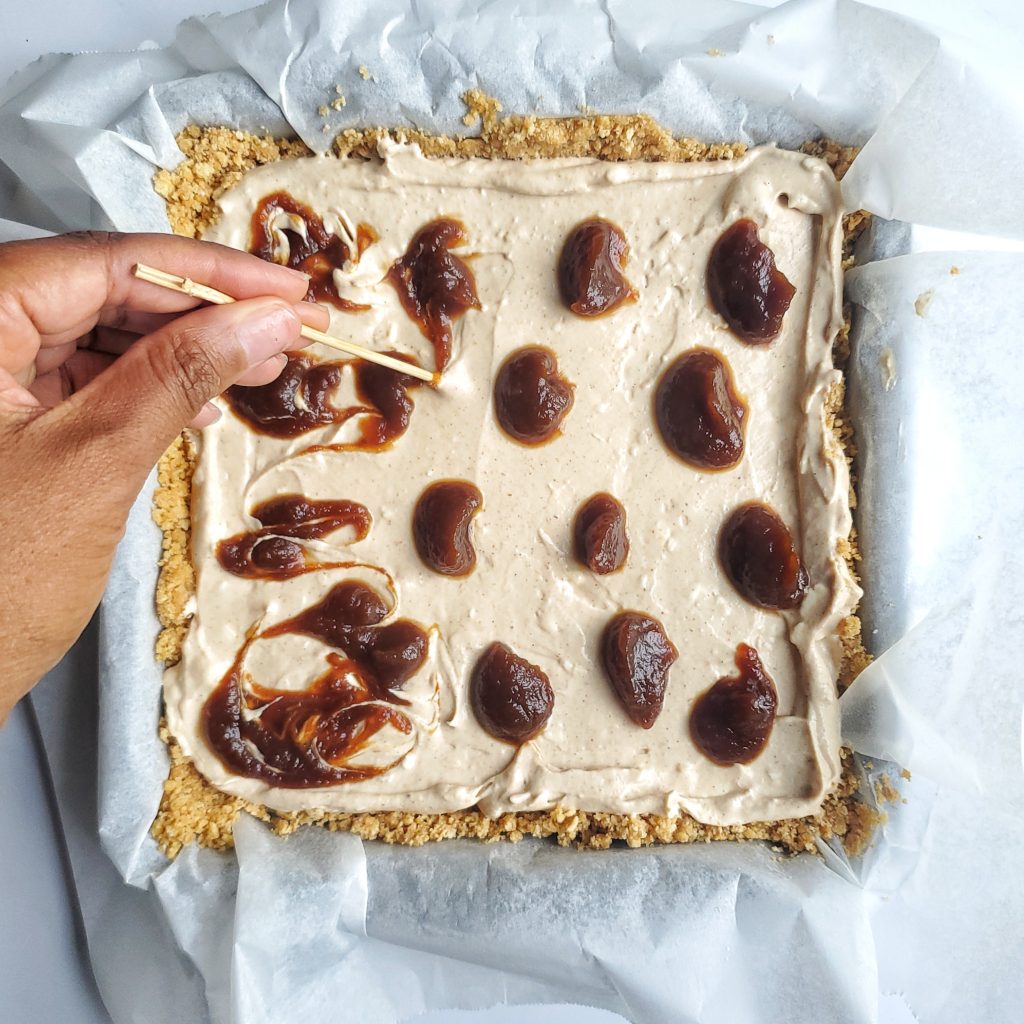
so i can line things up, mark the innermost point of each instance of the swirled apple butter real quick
(349, 617)
(435, 286)
(562, 670)
(308, 738)
(299, 401)
(289, 232)
(274, 551)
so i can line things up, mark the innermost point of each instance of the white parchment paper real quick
(288, 929)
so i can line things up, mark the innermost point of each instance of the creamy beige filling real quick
(526, 590)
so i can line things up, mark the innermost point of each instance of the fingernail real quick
(315, 314)
(266, 331)
(207, 415)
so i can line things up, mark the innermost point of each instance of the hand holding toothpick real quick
(208, 294)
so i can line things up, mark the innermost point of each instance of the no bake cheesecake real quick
(599, 571)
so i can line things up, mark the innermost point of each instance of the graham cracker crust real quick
(191, 809)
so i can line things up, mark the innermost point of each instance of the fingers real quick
(57, 288)
(15, 400)
(53, 386)
(62, 370)
(163, 381)
(50, 358)
(62, 381)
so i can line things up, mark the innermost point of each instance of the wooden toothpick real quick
(203, 291)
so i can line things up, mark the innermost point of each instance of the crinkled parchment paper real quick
(317, 923)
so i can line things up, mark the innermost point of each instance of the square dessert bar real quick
(598, 573)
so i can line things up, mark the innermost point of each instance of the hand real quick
(98, 374)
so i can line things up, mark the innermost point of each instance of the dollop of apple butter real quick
(319, 253)
(434, 285)
(698, 412)
(731, 722)
(591, 268)
(442, 526)
(511, 698)
(308, 738)
(531, 397)
(637, 656)
(273, 552)
(756, 552)
(745, 286)
(599, 534)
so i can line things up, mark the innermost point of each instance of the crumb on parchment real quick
(191, 809)
(886, 791)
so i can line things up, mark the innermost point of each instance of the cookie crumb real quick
(923, 301)
(323, 110)
(887, 360)
(364, 73)
(886, 792)
(338, 103)
(954, 270)
(715, 52)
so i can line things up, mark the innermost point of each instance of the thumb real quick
(140, 403)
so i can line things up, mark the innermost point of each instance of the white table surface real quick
(44, 971)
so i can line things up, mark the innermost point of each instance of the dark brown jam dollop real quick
(599, 534)
(745, 287)
(698, 412)
(441, 526)
(299, 401)
(590, 269)
(731, 722)
(511, 698)
(307, 738)
(434, 286)
(637, 656)
(319, 254)
(531, 397)
(273, 552)
(756, 552)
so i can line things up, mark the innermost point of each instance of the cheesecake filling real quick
(268, 666)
